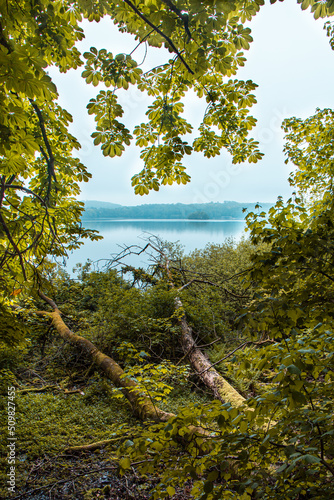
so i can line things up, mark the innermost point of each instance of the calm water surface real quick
(118, 234)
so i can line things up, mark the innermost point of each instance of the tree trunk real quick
(141, 405)
(221, 389)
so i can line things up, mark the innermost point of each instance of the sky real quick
(291, 61)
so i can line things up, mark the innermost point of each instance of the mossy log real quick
(142, 407)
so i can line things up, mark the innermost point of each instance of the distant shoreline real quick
(226, 211)
(143, 219)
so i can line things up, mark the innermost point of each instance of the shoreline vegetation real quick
(228, 210)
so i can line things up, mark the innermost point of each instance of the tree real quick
(206, 42)
(308, 145)
(279, 445)
(39, 175)
(199, 215)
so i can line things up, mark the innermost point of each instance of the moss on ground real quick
(47, 424)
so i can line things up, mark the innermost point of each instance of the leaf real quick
(310, 459)
(125, 463)
(294, 369)
(243, 426)
(170, 491)
(208, 486)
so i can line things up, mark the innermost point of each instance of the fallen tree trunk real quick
(221, 389)
(142, 406)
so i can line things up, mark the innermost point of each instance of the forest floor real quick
(50, 419)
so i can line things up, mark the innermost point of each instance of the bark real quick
(221, 389)
(142, 406)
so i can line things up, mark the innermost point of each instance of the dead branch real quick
(237, 349)
(92, 446)
(46, 388)
(206, 282)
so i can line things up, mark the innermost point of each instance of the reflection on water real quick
(121, 233)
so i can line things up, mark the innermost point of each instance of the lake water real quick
(118, 234)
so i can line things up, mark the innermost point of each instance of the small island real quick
(199, 215)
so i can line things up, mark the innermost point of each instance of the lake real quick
(118, 234)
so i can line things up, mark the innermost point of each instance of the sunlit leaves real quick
(309, 146)
(118, 71)
(39, 214)
(111, 133)
(207, 45)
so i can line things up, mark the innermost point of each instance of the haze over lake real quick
(118, 234)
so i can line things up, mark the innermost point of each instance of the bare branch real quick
(215, 285)
(236, 349)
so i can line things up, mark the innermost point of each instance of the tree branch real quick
(50, 160)
(206, 282)
(236, 349)
(184, 17)
(26, 190)
(16, 249)
(170, 42)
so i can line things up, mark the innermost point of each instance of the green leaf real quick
(294, 369)
(125, 463)
(208, 486)
(170, 491)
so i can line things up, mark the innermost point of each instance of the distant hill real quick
(100, 204)
(228, 210)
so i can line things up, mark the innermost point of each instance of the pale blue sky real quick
(291, 61)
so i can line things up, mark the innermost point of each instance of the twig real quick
(17, 251)
(236, 349)
(52, 485)
(206, 282)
